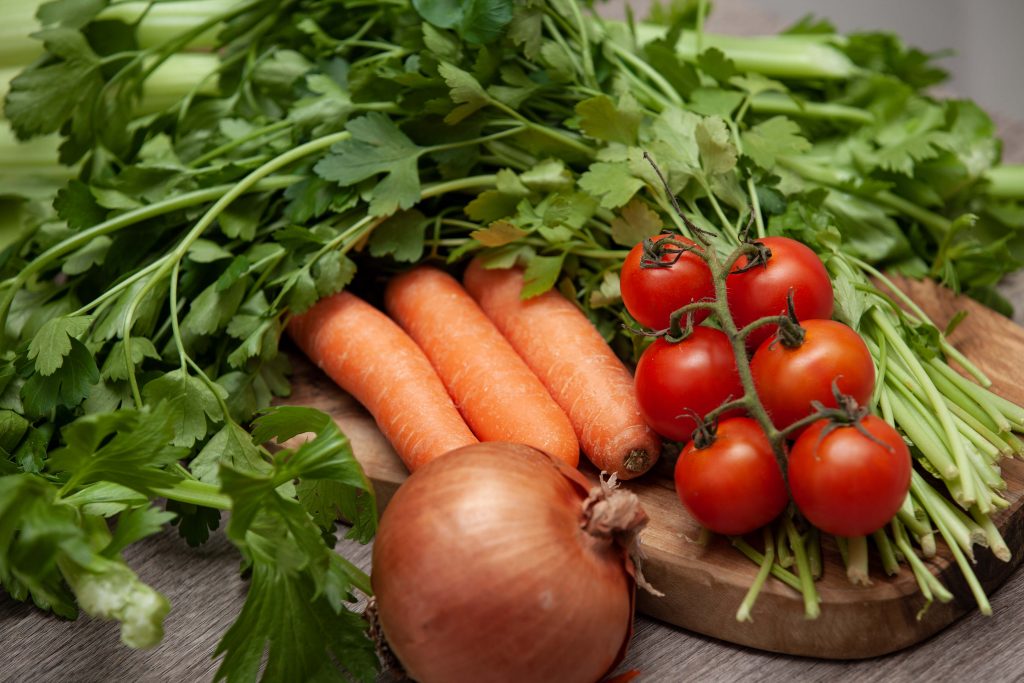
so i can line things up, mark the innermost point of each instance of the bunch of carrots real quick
(477, 363)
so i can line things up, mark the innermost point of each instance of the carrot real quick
(370, 357)
(575, 364)
(498, 395)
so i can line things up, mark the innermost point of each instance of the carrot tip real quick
(638, 460)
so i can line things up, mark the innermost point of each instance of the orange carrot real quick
(498, 395)
(370, 357)
(575, 364)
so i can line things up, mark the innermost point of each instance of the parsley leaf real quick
(377, 146)
(286, 422)
(541, 275)
(612, 182)
(127, 447)
(717, 152)
(635, 223)
(43, 97)
(714, 63)
(400, 236)
(134, 525)
(498, 233)
(768, 140)
(476, 21)
(189, 403)
(68, 386)
(601, 119)
(231, 446)
(53, 342)
(466, 92)
(294, 610)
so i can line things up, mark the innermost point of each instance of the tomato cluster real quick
(847, 478)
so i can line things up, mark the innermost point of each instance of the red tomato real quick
(652, 294)
(698, 373)
(787, 380)
(845, 483)
(734, 485)
(762, 290)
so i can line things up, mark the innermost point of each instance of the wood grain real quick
(703, 586)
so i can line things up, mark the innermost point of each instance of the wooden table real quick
(207, 593)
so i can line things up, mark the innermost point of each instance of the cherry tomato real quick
(846, 483)
(787, 380)
(652, 294)
(734, 485)
(762, 290)
(698, 373)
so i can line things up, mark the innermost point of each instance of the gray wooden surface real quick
(206, 592)
(205, 589)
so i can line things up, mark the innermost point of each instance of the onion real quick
(492, 563)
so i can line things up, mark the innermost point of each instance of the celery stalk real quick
(1006, 182)
(782, 56)
(165, 20)
(179, 75)
(778, 103)
(17, 22)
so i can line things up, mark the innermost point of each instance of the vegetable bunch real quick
(848, 471)
(199, 204)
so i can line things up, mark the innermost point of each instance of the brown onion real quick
(492, 563)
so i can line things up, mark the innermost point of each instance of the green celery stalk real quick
(165, 20)
(782, 56)
(778, 103)
(178, 76)
(162, 21)
(1006, 182)
(17, 22)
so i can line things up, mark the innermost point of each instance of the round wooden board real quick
(704, 585)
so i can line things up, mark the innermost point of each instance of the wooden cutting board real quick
(704, 585)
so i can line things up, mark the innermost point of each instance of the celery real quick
(179, 75)
(157, 22)
(17, 23)
(1006, 182)
(785, 56)
(777, 103)
(161, 21)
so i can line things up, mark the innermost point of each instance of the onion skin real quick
(482, 571)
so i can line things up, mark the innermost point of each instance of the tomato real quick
(787, 380)
(846, 483)
(734, 485)
(652, 294)
(762, 290)
(698, 373)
